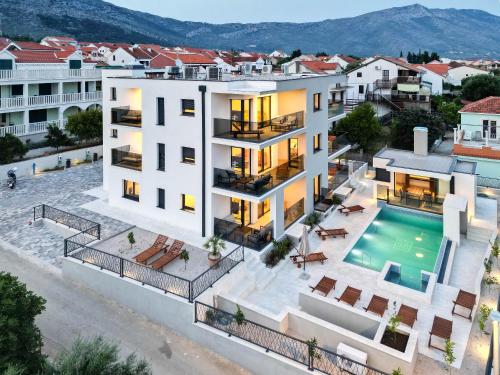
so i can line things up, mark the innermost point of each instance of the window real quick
(361, 89)
(263, 208)
(188, 155)
(114, 133)
(113, 93)
(317, 143)
(187, 107)
(264, 159)
(382, 175)
(359, 74)
(188, 202)
(317, 188)
(98, 86)
(161, 157)
(131, 190)
(6, 64)
(17, 90)
(75, 64)
(317, 102)
(160, 111)
(161, 198)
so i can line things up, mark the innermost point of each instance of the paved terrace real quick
(63, 190)
(282, 290)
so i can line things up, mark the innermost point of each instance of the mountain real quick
(450, 32)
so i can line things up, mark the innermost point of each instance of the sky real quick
(223, 11)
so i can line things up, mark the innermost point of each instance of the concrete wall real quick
(25, 167)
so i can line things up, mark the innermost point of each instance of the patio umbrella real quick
(304, 251)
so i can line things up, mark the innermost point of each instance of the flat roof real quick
(433, 163)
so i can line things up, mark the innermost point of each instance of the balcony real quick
(335, 109)
(126, 116)
(422, 201)
(48, 74)
(247, 236)
(31, 128)
(258, 185)
(294, 213)
(337, 142)
(251, 131)
(122, 157)
(48, 100)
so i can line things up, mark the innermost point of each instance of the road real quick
(72, 310)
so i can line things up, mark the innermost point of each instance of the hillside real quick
(451, 32)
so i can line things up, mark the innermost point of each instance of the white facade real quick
(289, 151)
(432, 80)
(456, 75)
(36, 94)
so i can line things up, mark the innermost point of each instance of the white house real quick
(130, 56)
(433, 76)
(235, 155)
(342, 60)
(458, 72)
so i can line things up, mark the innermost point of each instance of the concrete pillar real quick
(26, 121)
(60, 116)
(487, 140)
(25, 93)
(277, 213)
(455, 136)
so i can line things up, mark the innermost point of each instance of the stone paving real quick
(63, 190)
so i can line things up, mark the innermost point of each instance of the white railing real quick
(43, 100)
(31, 128)
(41, 74)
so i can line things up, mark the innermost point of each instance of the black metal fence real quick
(314, 357)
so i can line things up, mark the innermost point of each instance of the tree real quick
(361, 126)
(215, 244)
(131, 239)
(97, 356)
(239, 316)
(449, 112)
(449, 355)
(185, 257)
(20, 338)
(405, 121)
(495, 250)
(351, 66)
(321, 54)
(480, 86)
(86, 125)
(312, 345)
(11, 148)
(56, 137)
(484, 314)
(295, 53)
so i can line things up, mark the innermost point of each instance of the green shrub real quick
(279, 251)
(312, 219)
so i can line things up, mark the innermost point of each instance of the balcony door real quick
(240, 114)
(240, 210)
(317, 189)
(240, 160)
(264, 111)
(293, 152)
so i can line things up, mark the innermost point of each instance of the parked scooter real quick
(11, 174)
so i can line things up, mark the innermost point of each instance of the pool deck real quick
(280, 291)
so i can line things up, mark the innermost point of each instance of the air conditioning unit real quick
(213, 73)
(377, 68)
(267, 69)
(190, 73)
(247, 68)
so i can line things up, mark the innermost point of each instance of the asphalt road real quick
(72, 310)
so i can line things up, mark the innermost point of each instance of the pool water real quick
(413, 240)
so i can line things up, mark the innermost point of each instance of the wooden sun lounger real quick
(347, 210)
(377, 305)
(325, 233)
(466, 300)
(350, 296)
(173, 252)
(440, 328)
(407, 315)
(157, 247)
(313, 257)
(325, 285)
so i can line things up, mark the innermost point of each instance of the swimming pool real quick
(411, 239)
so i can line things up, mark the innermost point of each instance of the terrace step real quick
(478, 234)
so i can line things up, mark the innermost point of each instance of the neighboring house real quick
(276, 56)
(260, 165)
(477, 137)
(60, 42)
(41, 87)
(131, 56)
(433, 76)
(457, 72)
(342, 60)
(311, 67)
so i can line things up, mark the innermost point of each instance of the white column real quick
(277, 213)
(25, 93)
(61, 117)
(488, 136)
(26, 121)
(455, 136)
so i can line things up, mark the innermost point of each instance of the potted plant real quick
(484, 313)
(312, 345)
(185, 257)
(449, 355)
(394, 338)
(215, 244)
(131, 239)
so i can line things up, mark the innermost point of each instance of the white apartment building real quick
(39, 88)
(239, 156)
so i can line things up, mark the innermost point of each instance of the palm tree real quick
(215, 244)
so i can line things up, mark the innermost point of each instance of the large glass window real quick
(317, 188)
(240, 210)
(160, 111)
(240, 160)
(188, 202)
(131, 190)
(187, 107)
(161, 156)
(264, 159)
(263, 208)
(240, 114)
(264, 110)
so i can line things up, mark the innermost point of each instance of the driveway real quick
(72, 310)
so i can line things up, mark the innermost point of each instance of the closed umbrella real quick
(304, 251)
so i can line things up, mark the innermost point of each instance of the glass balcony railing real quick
(122, 157)
(251, 131)
(248, 236)
(418, 201)
(294, 212)
(337, 142)
(258, 185)
(126, 116)
(335, 109)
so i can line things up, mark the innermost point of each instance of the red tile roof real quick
(348, 59)
(191, 58)
(161, 61)
(40, 57)
(32, 46)
(141, 54)
(441, 69)
(490, 105)
(319, 66)
(63, 54)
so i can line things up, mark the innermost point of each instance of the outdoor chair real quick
(260, 237)
(348, 210)
(325, 285)
(441, 328)
(173, 252)
(259, 183)
(377, 305)
(466, 300)
(157, 247)
(227, 177)
(350, 296)
(309, 258)
(325, 233)
(407, 315)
